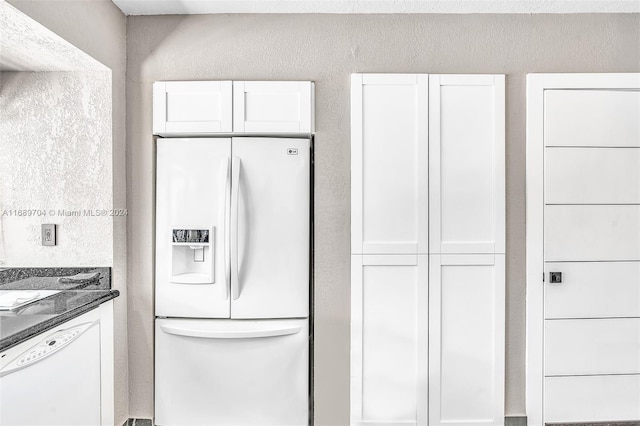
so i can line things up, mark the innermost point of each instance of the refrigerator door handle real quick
(225, 204)
(231, 334)
(235, 188)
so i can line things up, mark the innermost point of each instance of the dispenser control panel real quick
(190, 235)
(192, 255)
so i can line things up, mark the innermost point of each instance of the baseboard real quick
(515, 421)
(138, 422)
(629, 423)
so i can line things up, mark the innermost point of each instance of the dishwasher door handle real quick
(231, 334)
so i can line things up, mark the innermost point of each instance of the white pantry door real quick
(466, 164)
(584, 319)
(389, 314)
(389, 164)
(466, 339)
(466, 250)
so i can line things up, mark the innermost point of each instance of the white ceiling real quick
(171, 7)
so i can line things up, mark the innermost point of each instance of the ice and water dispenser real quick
(192, 255)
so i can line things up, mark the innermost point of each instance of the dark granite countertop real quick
(54, 279)
(24, 323)
(75, 297)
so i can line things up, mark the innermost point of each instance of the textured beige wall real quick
(55, 154)
(98, 28)
(326, 49)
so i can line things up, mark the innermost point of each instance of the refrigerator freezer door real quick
(231, 372)
(192, 216)
(270, 228)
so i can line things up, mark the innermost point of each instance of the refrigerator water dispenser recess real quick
(192, 255)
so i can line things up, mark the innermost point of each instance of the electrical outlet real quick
(48, 234)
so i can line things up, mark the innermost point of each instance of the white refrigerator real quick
(232, 281)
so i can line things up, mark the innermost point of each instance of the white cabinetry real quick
(389, 339)
(63, 376)
(273, 107)
(466, 164)
(191, 107)
(209, 107)
(466, 339)
(427, 240)
(389, 174)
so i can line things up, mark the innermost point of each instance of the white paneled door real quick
(389, 339)
(466, 339)
(466, 164)
(389, 153)
(427, 246)
(583, 244)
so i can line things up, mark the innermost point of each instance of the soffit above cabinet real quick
(191, 7)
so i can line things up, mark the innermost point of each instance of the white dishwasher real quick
(54, 378)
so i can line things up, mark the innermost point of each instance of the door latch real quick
(555, 277)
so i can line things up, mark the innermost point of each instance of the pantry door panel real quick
(466, 339)
(389, 176)
(466, 164)
(389, 314)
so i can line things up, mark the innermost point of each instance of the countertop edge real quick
(47, 325)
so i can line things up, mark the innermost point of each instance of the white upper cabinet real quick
(389, 175)
(273, 107)
(466, 164)
(193, 108)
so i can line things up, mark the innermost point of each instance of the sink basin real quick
(14, 299)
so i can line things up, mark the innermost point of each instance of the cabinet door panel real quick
(466, 164)
(389, 164)
(273, 106)
(191, 107)
(466, 339)
(389, 339)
